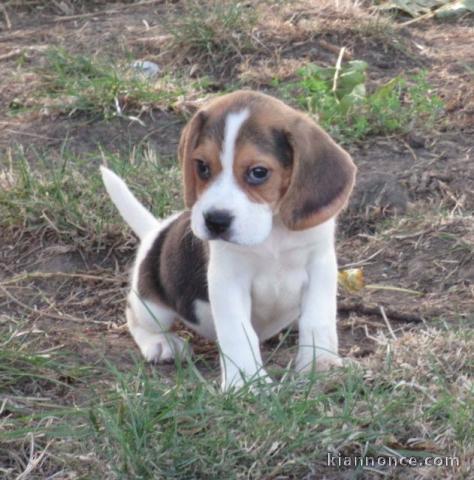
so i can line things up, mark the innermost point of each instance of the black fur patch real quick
(175, 269)
(282, 147)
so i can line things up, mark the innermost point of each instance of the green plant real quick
(339, 98)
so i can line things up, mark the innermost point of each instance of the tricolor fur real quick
(254, 253)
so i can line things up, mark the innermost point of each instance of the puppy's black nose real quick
(218, 221)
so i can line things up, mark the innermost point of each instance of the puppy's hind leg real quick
(149, 323)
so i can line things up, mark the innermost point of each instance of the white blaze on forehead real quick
(233, 123)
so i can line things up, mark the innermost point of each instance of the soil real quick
(403, 225)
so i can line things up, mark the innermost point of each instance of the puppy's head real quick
(247, 157)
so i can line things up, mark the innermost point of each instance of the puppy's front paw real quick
(163, 348)
(320, 363)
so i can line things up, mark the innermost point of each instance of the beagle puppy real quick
(254, 253)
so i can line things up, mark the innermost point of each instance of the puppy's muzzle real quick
(218, 222)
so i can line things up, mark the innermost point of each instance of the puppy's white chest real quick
(276, 293)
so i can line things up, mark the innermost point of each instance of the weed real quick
(339, 98)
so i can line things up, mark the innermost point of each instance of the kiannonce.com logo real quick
(341, 461)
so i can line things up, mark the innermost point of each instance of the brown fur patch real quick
(271, 191)
(322, 179)
(207, 151)
(187, 144)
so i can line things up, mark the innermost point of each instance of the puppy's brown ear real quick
(187, 144)
(322, 178)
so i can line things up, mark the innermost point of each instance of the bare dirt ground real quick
(409, 224)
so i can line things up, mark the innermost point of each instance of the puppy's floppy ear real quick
(187, 144)
(322, 178)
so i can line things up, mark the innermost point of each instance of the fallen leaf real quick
(352, 279)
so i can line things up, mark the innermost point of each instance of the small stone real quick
(146, 68)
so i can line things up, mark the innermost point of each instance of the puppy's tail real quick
(140, 220)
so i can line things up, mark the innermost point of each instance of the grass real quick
(211, 32)
(338, 98)
(101, 88)
(38, 385)
(66, 193)
(139, 424)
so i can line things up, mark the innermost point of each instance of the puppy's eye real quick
(203, 170)
(257, 175)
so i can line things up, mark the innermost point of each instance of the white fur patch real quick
(140, 220)
(232, 127)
